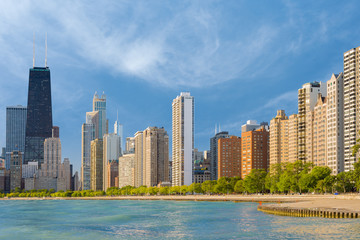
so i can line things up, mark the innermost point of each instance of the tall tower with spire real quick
(39, 113)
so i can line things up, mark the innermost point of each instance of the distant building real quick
(30, 169)
(250, 125)
(97, 165)
(90, 131)
(201, 175)
(182, 139)
(130, 145)
(229, 157)
(64, 176)
(113, 173)
(15, 170)
(254, 148)
(112, 152)
(126, 170)
(15, 131)
(214, 154)
(4, 180)
(198, 157)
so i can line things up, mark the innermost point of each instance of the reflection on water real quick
(58, 219)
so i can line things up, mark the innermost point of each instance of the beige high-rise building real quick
(52, 158)
(96, 179)
(155, 156)
(279, 138)
(293, 128)
(126, 170)
(335, 123)
(307, 98)
(64, 176)
(319, 142)
(351, 105)
(138, 165)
(182, 139)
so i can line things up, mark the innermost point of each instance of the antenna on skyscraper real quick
(117, 115)
(215, 129)
(46, 50)
(219, 128)
(34, 50)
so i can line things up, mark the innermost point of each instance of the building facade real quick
(155, 156)
(254, 150)
(15, 131)
(335, 123)
(16, 170)
(229, 157)
(351, 106)
(126, 170)
(307, 99)
(279, 139)
(112, 152)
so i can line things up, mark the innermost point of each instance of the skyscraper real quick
(15, 131)
(39, 114)
(182, 139)
(99, 104)
(214, 154)
(351, 106)
(90, 131)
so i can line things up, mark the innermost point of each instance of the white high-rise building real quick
(138, 163)
(111, 148)
(182, 139)
(335, 124)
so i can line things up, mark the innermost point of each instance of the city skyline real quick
(274, 72)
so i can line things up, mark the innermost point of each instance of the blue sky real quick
(240, 59)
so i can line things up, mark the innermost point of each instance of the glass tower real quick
(39, 114)
(15, 131)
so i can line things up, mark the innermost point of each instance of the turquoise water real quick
(79, 219)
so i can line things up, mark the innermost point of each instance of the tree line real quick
(285, 178)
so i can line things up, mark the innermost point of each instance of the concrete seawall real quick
(325, 208)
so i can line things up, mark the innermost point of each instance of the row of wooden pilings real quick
(299, 212)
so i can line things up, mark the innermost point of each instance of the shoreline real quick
(326, 206)
(240, 198)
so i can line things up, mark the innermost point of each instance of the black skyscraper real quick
(39, 114)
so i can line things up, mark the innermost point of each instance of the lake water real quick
(81, 219)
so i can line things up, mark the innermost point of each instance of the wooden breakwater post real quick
(308, 212)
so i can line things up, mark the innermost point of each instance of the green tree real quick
(208, 186)
(239, 186)
(255, 181)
